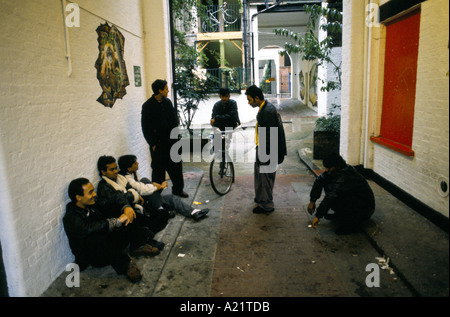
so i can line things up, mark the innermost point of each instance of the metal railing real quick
(224, 18)
(231, 78)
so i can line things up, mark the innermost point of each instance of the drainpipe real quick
(245, 35)
(278, 2)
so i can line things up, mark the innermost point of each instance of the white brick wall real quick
(419, 176)
(53, 130)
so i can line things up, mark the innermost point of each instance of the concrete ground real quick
(235, 253)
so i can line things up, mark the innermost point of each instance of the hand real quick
(141, 201)
(153, 148)
(131, 215)
(311, 207)
(124, 219)
(315, 222)
(164, 184)
(212, 122)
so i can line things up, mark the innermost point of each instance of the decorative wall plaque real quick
(111, 68)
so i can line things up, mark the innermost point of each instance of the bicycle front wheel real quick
(221, 175)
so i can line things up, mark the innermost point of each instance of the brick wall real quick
(53, 130)
(420, 175)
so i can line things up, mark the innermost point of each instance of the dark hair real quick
(224, 92)
(158, 85)
(254, 91)
(103, 161)
(76, 188)
(334, 160)
(125, 162)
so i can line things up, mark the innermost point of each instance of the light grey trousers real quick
(264, 183)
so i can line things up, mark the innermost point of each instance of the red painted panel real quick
(402, 43)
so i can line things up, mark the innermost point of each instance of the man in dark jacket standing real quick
(270, 148)
(158, 119)
(347, 193)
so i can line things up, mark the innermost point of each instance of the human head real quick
(334, 162)
(128, 164)
(81, 192)
(107, 166)
(224, 95)
(255, 96)
(160, 86)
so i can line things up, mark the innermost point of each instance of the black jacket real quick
(158, 119)
(268, 117)
(345, 189)
(111, 201)
(79, 224)
(225, 117)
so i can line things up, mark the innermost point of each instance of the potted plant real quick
(326, 136)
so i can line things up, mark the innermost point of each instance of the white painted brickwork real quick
(53, 130)
(419, 176)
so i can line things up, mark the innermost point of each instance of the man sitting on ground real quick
(97, 240)
(154, 201)
(116, 196)
(347, 193)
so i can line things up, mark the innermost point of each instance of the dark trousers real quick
(349, 216)
(162, 163)
(264, 184)
(110, 248)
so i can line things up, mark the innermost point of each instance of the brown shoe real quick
(133, 274)
(146, 250)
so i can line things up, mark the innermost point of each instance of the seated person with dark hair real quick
(347, 193)
(155, 203)
(116, 196)
(97, 240)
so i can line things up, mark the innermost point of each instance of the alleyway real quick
(235, 253)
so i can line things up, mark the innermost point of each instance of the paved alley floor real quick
(235, 253)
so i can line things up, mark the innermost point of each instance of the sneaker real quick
(146, 250)
(200, 214)
(133, 274)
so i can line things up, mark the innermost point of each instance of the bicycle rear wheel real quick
(221, 175)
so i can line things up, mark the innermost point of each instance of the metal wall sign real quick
(111, 68)
(137, 76)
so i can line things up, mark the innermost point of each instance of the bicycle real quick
(214, 22)
(221, 168)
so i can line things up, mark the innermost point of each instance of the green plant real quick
(312, 49)
(191, 86)
(330, 123)
(309, 45)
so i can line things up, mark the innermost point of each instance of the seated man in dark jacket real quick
(97, 240)
(347, 193)
(116, 196)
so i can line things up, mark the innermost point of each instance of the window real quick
(399, 93)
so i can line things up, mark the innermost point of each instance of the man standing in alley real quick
(158, 119)
(347, 193)
(270, 148)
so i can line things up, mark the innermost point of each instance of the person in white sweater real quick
(151, 192)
